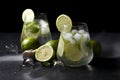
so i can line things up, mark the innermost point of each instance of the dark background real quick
(99, 15)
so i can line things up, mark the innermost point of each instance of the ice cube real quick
(77, 36)
(43, 23)
(81, 31)
(74, 31)
(86, 35)
(68, 37)
(12, 48)
(44, 30)
(44, 27)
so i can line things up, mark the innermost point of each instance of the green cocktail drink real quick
(35, 26)
(73, 48)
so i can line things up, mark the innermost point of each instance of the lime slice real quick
(64, 23)
(29, 43)
(28, 15)
(32, 29)
(60, 48)
(72, 52)
(44, 53)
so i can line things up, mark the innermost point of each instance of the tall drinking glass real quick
(45, 35)
(73, 48)
(38, 29)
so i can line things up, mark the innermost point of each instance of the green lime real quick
(31, 29)
(53, 43)
(28, 15)
(29, 43)
(97, 48)
(64, 23)
(45, 53)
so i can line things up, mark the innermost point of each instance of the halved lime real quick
(29, 43)
(32, 29)
(44, 53)
(28, 15)
(64, 23)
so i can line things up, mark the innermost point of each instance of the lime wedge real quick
(72, 52)
(28, 15)
(31, 29)
(64, 23)
(44, 53)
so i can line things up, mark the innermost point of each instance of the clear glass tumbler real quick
(74, 49)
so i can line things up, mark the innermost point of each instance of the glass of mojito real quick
(45, 34)
(73, 49)
(35, 26)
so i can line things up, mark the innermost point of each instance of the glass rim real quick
(80, 25)
(83, 23)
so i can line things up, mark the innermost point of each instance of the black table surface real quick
(104, 67)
